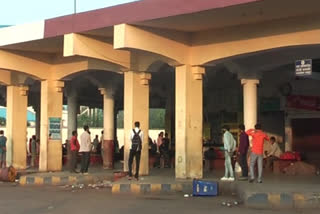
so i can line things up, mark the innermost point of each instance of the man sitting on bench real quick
(273, 153)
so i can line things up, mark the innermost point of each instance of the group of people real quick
(33, 149)
(85, 147)
(161, 150)
(161, 147)
(257, 153)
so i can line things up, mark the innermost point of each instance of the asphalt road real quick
(60, 200)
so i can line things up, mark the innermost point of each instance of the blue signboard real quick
(304, 67)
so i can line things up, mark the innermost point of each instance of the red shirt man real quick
(258, 138)
(74, 144)
(74, 148)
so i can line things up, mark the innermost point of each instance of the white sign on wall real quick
(304, 67)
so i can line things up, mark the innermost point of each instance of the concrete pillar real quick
(189, 119)
(136, 108)
(108, 127)
(168, 116)
(72, 102)
(17, 103)
(51, 108)
(288, 134)
(37, 110)
(250, 103)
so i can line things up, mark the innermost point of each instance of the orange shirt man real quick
(258, 138)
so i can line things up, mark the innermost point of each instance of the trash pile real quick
(230, 203)
(8, 174)
(300, 168)
(98, 185)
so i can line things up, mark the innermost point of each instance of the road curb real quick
(282, 200)
(55, 180)
(250, 199)
(151, 188)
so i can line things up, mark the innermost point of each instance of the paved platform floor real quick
(57, 200)
(275, 191)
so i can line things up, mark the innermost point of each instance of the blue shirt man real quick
(3, 149)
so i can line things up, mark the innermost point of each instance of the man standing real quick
(164, 150)
(136, 137)
(74, 148)
(85, 148)
(258, 137)
(229, 148)
(3, 149)
(33, 150)
(242, 152)
(274, 152)
(101, 148)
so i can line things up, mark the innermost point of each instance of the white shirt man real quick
(85, 148)
(85, 142)
(275, 150)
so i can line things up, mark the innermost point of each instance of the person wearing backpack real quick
(136, 137)
(229, 147)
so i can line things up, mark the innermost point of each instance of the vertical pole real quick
(136, 108)
(51, 107)
(189, 119)
(17, 103)
(250, 103)
(75, 6)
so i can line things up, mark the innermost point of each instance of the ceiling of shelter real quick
(249, 13)
(267, 60)
(235, 15)
(104, 32)
(50, 45)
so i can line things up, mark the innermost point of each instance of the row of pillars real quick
(51, 102)
(188, 116)
(188, 121)
(51, 106)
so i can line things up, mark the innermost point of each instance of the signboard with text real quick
(304, 67)
(55, 128)
(310, 103)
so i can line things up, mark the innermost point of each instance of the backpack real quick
(136, 141)
(153, 148)
(164, 147)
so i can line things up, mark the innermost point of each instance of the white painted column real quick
(250, 102)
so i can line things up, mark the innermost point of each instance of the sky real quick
(13, 12)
